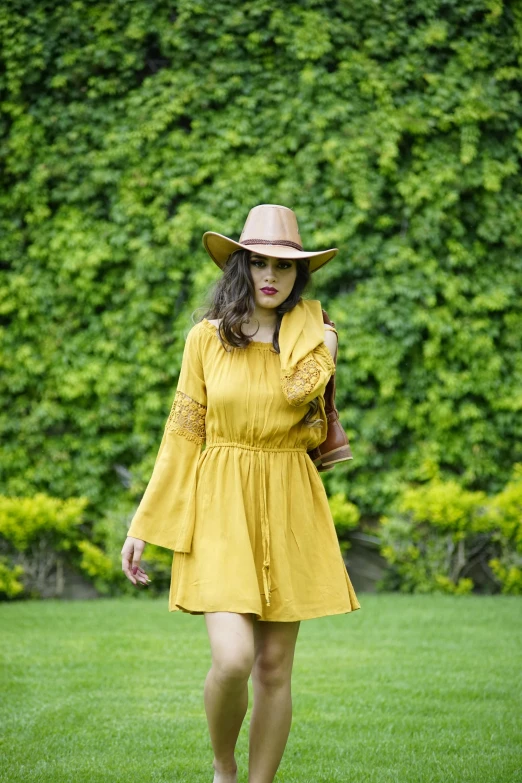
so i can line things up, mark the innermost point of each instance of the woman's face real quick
(272, 273)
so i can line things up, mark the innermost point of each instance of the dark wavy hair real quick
(233, 299)
(233, 302)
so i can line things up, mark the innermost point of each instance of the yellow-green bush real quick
(10, 584)
(39, 536)
(345, 516)
(506, 511)
(96, 564)
(440, 532)
(25, 522)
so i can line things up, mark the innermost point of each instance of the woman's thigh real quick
(231, 638)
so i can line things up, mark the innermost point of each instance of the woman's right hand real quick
(131, 553)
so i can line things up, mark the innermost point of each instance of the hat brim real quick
(219, 248)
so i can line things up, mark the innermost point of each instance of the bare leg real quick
(272, 710)
(226, 686)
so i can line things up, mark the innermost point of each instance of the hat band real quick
(285, 242)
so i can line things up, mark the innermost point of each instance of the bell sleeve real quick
(309, 377)
(166, 513)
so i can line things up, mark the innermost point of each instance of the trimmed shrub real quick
(441, 532)
(38, 536)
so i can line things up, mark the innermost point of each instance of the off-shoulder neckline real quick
(252, 344)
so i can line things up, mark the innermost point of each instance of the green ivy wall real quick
(393, 129)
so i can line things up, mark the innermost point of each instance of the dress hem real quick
(315, 616)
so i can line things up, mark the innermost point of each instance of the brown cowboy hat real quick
(270, 230)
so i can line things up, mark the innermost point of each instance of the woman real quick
(248, 518)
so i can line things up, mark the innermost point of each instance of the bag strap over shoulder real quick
(326, 318)
(336, 447)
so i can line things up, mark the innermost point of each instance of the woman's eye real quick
(281, 266)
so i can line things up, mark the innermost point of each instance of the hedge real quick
(128, 129)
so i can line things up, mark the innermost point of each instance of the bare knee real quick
(273, 668)
(232, 668)
(232, 646)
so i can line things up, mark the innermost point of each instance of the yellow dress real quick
(247, 516)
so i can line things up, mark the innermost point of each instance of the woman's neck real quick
(263, 318)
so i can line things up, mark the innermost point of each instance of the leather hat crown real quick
(270, 230)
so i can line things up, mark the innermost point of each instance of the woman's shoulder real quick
(200, 326)
(198, 332)
(206, 330)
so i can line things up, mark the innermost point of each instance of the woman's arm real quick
(330, 338)
(311, 374)
(165, 514)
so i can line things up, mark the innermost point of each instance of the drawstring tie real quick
(265, 530)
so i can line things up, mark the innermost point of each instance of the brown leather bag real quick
(335, 448)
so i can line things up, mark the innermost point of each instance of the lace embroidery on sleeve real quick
(187, 418)
(300, 383)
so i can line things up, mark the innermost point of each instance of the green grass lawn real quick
(407, 689)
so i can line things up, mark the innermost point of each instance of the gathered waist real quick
(264, 462)
(248, 447)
